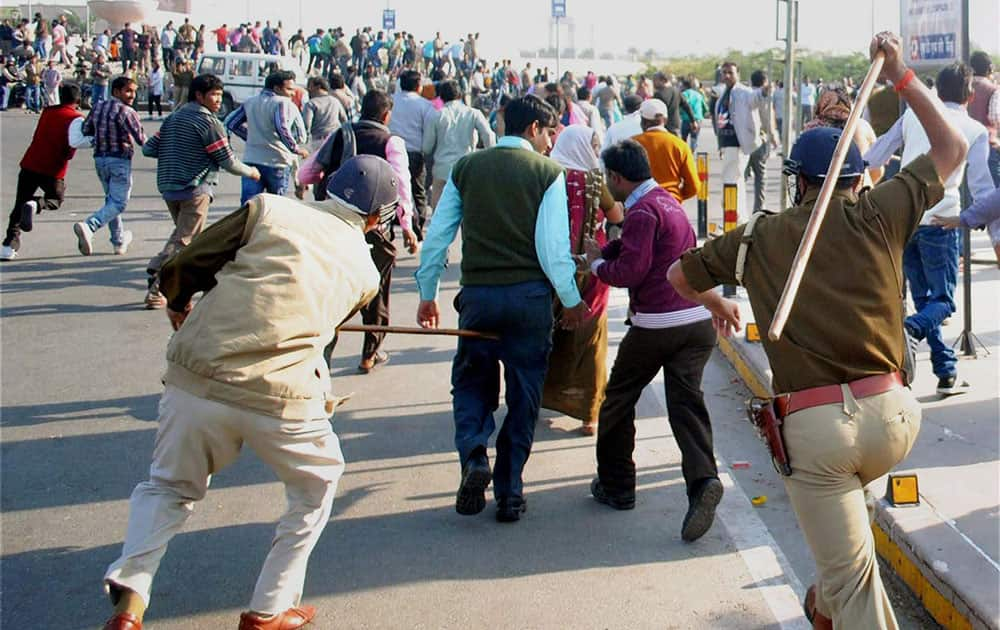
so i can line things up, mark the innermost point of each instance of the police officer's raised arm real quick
(948, 146)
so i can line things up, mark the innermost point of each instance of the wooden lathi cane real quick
(412, 330)
(822, 203)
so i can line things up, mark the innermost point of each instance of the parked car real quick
(244, 74)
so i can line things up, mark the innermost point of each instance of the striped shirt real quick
(191, 147)
(114, 126)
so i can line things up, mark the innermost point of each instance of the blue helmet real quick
(813, 152)
(369, 184)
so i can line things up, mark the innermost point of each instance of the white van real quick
(243, 74)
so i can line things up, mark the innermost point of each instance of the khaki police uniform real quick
(846, 325)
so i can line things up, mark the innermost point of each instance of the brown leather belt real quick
(829, 394)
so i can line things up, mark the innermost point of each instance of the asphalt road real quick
(80, 370)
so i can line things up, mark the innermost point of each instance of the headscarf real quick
(831, 110)
(573, 149)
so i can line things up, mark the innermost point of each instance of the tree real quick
(815, 64)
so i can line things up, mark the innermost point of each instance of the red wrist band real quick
(899, 87)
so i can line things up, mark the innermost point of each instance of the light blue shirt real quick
(551, 236)
(639, 192)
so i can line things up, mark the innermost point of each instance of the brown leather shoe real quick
(288, 620)
(123, 621)
(818, 620)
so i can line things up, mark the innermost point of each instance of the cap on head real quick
(368, 183)
(813, 152)
(651, 108)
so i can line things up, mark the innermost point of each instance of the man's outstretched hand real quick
(427, 314)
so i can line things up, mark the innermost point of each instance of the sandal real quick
(380, 358)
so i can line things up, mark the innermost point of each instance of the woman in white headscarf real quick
(577, 375)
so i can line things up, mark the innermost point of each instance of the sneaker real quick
(122, 248)
(84, 238)
(7, 253)
(155, 300)
(949, 386)
(28, 211)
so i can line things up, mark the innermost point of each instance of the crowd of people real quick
(562, 189)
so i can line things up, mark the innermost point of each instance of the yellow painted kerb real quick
(943, 611)
(753, 382)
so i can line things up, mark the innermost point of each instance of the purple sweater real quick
(655, 234)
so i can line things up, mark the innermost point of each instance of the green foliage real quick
(813, 64)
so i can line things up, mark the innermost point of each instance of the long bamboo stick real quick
(413, 330)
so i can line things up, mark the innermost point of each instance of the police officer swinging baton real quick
(823, 202)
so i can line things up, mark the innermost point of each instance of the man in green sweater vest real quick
(511, 204)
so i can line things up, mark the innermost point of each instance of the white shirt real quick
(908, 133)
(807, 94)
(76, 138)
(167, 38)
(628, 127)
(156, 83)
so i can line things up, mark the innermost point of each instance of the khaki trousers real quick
(189, 220)
(197, 438)
(835, 451)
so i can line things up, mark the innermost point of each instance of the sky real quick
(672, 27)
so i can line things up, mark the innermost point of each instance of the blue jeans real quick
(98, 93)
(33, 97)
(522, 315)
(273, 179)
(688, 135)
(115, 174)
(930, 262)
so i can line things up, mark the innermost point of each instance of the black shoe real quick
(701, 510)
(509, 510)
(949, 386)
(28, 210)
(471, 497)
(617, 501)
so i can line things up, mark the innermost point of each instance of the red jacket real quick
(49, 152)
